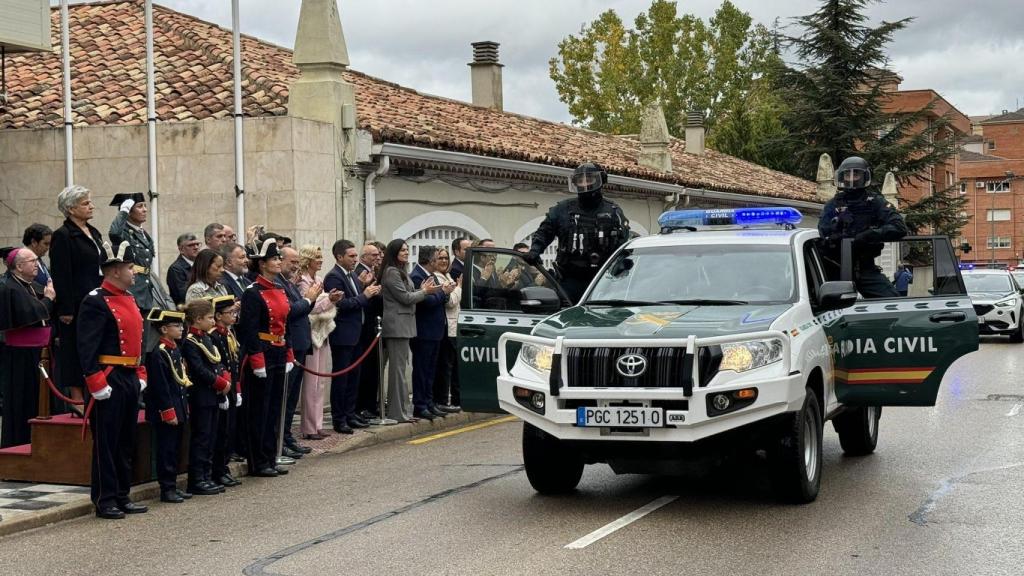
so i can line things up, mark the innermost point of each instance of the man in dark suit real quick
(236, 264)
(367, 400)
(177, 272)
(431, 326)
(300, 338)
(345, 337)
(459, 246)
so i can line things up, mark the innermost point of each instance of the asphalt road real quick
(943, 494)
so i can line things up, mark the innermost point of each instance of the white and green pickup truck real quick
(703, 339)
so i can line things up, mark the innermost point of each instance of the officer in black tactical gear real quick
(865, 217)
(588, 228)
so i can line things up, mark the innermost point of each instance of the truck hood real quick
(669, 321)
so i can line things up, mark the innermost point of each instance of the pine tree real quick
(835, 96)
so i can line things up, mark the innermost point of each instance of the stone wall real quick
(289, 176)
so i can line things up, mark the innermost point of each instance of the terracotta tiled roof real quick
(971, 138)
(968, 156)
(193, 82)
(1017, 116)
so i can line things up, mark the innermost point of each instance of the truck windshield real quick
(714, 275)
(992, 283)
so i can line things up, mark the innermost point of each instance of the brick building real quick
(993, 181)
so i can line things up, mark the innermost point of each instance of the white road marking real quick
(1015, 410)
(620, 523)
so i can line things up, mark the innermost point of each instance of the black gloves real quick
(532, 258)
(869, 236)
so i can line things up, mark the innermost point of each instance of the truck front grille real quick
(595, 367)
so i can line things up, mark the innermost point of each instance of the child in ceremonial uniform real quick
(225, 312)
(206, 397)
(167, 400)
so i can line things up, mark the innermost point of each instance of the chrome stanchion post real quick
(281, 459)
(383, 420)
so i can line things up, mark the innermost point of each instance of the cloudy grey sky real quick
(964, 50)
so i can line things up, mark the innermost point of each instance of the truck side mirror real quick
(836, 295)
(539, 300)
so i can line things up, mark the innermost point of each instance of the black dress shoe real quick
(268, 472)
(204, 489)
(133, 508)
(367, 415)
(229, 480)
(286, 451)
(184, 494)
(171, 497)
(357, 423)
(110, 513)
(237, 458)
(437, 411)
(343, 429)
(216, 486)
(449, 408)
(425, 414)
(281, 471)
(296, 447)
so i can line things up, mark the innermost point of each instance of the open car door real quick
(895, 351)
(500, 293)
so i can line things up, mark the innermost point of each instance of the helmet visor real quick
(584, 182)
(853, 178)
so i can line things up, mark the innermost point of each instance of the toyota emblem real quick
(631, 365)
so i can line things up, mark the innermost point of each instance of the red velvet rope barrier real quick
(353, 366)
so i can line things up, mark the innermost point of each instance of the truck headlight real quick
(743, 356)
(537, 356)
(1007, 303)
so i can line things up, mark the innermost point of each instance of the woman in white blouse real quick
(446, 379)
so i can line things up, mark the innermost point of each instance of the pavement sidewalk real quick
(25, 506)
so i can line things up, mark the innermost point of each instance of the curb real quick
(151, 490)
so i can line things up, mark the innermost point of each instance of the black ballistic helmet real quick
(589, 177)
(853, 174)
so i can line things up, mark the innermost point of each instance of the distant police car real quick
(997, 301)
(715, 333)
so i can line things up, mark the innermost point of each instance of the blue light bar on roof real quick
(967, 266)
(730, 217)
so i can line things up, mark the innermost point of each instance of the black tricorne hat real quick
(222, 303)
(160, 317)
(119, 198)
(262, 249)
(124, 255)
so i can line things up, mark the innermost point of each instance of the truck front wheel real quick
(858, 430)
(797, 456)
(550, 467)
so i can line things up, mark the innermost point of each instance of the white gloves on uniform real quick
(288, 367)
(238, 400)
(260, 372)
(223, 403)
(126, 206)
(103, 394)
(142, 385)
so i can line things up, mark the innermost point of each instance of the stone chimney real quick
(890, 189)
(654, 139)
(695, 133)
(486, 75)
(826, 178)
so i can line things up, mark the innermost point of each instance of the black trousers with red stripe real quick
(113, 422)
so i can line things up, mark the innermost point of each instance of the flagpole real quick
(154, 195)
(69, 159)
(239, 159)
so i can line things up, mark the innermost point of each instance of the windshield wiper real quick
(705, 302)
(620, 302)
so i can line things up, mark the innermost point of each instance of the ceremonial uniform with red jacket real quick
(267, 357)
(210, 383)
(110, 351)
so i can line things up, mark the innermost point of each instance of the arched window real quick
(425, 230)
(438, 236)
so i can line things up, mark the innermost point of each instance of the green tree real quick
(835, 96)
(608, 73)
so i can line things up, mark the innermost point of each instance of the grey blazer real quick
(400, 301)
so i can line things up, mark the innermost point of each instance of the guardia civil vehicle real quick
(719, 332)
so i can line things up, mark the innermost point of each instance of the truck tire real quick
(550, 467)
(858, 430)
(797, 456)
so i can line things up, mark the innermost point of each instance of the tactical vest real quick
(590, 236)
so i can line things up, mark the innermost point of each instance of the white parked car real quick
(998, 301)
